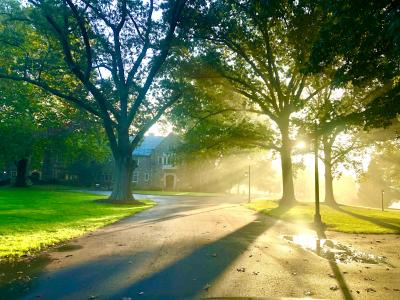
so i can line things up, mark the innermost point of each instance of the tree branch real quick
(85, 36)
(146, 45)
(154, 119)
(55, 92)
(159, 60)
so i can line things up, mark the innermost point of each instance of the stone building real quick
(157, 166)
(155, 158)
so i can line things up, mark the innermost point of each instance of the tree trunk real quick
(22, 173)
(124, 165)
(288, 196)
(122, 189)
(329, 197)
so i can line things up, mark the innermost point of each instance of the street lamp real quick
(248, 174)
(317, 215)
(303, 146)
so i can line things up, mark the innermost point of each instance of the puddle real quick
(333, 250)
(68, 247)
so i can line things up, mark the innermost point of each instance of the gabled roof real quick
(148, 144)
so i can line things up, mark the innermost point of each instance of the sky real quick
(160, 129)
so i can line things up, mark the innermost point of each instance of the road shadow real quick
(83, 281)
(16, 276)
(186, 278)
(370, 219)
(335, 268)
(158, 220)
(109, 277)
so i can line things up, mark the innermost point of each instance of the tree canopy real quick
(361, 40)
(102, 57)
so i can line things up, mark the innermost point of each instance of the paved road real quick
(202, 247)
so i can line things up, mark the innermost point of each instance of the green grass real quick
(348, 219)
(175, 193)
(36, 217)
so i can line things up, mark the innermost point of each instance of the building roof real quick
(148, 144)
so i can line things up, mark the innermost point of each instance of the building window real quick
(70, 177)
(137, 162)
(135, 177)
(146, 177)
(159, 160)
(13, 174)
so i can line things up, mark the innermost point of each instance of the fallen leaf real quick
(368, 279)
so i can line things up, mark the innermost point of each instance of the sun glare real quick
(301, 145)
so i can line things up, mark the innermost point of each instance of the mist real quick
(352, 186)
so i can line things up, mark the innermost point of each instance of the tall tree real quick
(100, 56)
(382, 175)
(22, 127)
(29, 127)
(253, 48)
(361, 40)
(338, 141)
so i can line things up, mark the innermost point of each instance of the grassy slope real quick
(33, 218)
(345, 219)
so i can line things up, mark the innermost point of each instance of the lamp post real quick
(317, 216)
(383, 192)
(248, 174)
(249, 186)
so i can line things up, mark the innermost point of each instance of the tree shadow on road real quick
(336, 270)
(185, 278)
(158, 220)
(189, 276)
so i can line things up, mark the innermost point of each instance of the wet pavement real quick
(207, 247)
(335, 251)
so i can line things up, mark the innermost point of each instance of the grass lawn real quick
(175, 193)
(344, 219)
(36, 217)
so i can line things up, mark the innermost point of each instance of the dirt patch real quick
(128, 202)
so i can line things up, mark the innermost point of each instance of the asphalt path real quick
(201, 247)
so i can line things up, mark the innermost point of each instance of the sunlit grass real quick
(345, 219)
(36, 217)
